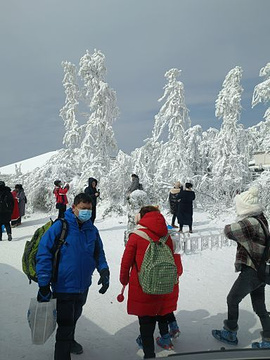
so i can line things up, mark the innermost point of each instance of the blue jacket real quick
(80, 255)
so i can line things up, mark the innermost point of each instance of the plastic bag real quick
(41, 318)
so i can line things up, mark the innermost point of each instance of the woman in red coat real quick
(148, 308)
(15, 217)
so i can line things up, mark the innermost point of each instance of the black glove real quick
(104, 280)
(44, 294)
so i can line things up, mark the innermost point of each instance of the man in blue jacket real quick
(81, 253)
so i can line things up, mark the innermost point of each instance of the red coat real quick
(16, 212)
(139, 303)
(60, 194)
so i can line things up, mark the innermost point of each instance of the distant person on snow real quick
(250, 237)
(185, 207)
(80, 255)
(135, 185)
(6, 208)
(92, 191)
(173, 201)
(15, 216)
(60, 194)
(21, 200)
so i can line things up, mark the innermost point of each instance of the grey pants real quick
(247, 283)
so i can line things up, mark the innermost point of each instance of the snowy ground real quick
(105, 330)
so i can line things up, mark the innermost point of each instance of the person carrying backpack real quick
(150, 308)
(249, 234)
(6, 209)
(81, 253)
(60, 194)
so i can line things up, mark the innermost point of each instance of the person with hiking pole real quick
(81, 253)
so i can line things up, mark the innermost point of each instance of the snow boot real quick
(139, 341)
(226, 336)
(264, 344)
(9, 237)
(165, 342)
(76, 348)
(174, 330)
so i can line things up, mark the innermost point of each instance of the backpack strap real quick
(58, 243)
(143, 234)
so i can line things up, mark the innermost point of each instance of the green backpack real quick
(31, 248)
(158, 273)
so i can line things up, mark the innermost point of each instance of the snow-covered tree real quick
(98, 144)
(171, 163)
(261, 94)
(68, 112)
(230, 167)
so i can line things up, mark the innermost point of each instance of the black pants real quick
(147, 328)
(247, 283)
(173, 219)
(69, 309)
(61, 210)
(93, 213)
(7, 226)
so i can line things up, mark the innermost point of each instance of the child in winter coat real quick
(149, 308)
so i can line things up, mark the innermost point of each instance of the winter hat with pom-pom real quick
(247, 202)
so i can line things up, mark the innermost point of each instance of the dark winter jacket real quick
(6, 204)
(249, 235)
(80, 255)
(139, 303)
(135, 185)
(21, 198)
(92, 191)
(173, 200)
(185, 207)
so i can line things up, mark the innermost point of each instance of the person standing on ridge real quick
(185, 207)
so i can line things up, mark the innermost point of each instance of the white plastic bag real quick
(41, 317)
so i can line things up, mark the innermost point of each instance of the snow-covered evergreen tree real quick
(261, 94)
(98, 144)
(68, 112)
(230, 167)
(172, 163)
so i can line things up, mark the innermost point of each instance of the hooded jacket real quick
(80, 255)
(8, 204)
(91, 191)
(139, 303)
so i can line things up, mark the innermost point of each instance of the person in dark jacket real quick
(22, 201)
(81, 253)
(185, 207)
(6, 209)
(173, 201)
(135, 185)
(92, 191)
(60, 194)
(249, 235)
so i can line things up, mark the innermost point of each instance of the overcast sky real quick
(141, 40)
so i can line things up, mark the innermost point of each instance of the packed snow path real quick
(105, 330)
